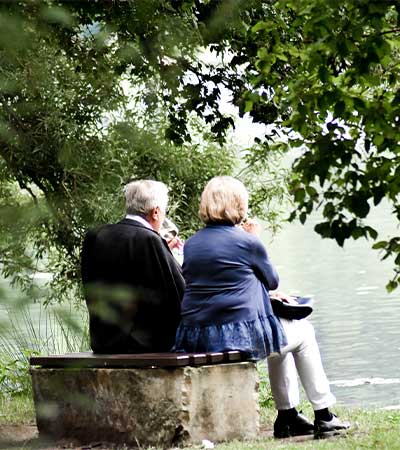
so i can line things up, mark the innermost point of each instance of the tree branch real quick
(23, 185)
(395, 30)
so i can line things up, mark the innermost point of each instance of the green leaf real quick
(303, 217)
(391, 286)
(378, 139)
(339, 108)
(357, 232)
(329, 210)
(324, 229)
(372, 232)
(358, 204)
(397, 260)
(248, 106)
(299, 195)
(259, 26)
(263, 54)
(312, 192)
(380, 245)
(379, 193)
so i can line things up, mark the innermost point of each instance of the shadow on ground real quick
(27, 437)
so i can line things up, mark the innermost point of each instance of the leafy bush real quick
(57, 331)
(14, 373)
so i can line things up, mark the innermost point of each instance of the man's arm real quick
(167, 268)
(162, 277)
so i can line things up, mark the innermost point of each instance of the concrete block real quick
(148, 406)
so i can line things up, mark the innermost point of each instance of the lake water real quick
(356, 320)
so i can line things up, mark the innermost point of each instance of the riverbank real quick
(372, 429)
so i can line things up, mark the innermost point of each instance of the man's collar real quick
(139, 219)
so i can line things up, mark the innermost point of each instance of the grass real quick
(17, 410)
(371, 429)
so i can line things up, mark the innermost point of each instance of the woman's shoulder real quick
(245, 236)
(210, 237)
(224, 236)
(208, 230)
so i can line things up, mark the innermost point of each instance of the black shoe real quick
(298, 426)
(326, 428)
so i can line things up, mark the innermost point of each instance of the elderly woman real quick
(226, 306)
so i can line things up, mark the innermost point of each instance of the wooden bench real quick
(150, 399)
(92, 360)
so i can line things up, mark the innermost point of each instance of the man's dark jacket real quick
(133, 288)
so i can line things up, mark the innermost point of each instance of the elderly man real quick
(133, 285)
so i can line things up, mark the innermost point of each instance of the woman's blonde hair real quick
(224, 199)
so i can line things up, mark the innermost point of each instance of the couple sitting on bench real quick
(140, 300)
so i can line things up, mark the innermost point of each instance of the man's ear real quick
(155, 213)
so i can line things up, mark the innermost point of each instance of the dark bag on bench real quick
(289, 311)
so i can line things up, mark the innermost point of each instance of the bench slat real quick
(197, 359)
(233, 356)
(92, 360)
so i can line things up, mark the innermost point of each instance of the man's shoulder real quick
(127, 230)
(133, 227)
(125, 226)
(131, 224)
(143, 236)
(91, 233)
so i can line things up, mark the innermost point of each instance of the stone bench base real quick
(148, 406)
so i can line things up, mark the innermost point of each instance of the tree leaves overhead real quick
(328, 74)
(325, 73)
(71, 137)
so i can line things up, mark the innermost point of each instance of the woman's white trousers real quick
(301, 356)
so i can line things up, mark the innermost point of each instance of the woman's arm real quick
(263, 267)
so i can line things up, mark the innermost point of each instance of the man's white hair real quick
(142, 196)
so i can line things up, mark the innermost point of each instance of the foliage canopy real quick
(70, 139)
(323, 76)
(324, 73)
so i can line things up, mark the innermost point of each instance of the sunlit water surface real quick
(356, 320)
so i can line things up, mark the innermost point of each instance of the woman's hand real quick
(284, 297)
(252, 226)
(175, 242)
